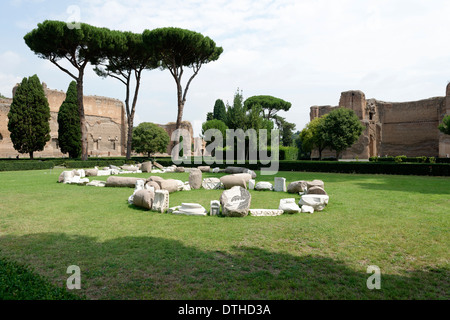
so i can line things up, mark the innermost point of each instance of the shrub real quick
(399, 159)
(19, 165)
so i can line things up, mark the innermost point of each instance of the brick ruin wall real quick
(106, 122)
(394, 128)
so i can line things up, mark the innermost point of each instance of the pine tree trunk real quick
(31, 155)
(175, 144)
(84, 142)
(129, 137)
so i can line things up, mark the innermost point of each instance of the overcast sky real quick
(304, 51)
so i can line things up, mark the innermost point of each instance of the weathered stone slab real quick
(204, 168)
(170, 185)
(156, 164)
(117, 181)
(78, 180)
(264, 186)
(153, 184)
(279, 184)
(144, 198)
(251, 172)
(317, 201)
(195, 178)
(307, 209)
(91, 172)
(146, 166)
(191, 209)
(180, 169)
(140, 185)
(289, 206)
(96, 183)
(66, 176)
(297, 186)
(233, 180)
(235, 202)
(211, 183)
(161, 201)
(315, 183)
(316, 190)
(265, 212)
(251, 184)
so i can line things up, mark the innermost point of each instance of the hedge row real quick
(423, 169)
(26, 165)
(423, 159)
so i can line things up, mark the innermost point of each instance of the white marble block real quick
(161, 201)
(280, 184)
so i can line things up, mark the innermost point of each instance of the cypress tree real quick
(29, 117)
(220, 112)
(69, 133)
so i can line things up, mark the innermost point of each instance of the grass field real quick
(399, 223)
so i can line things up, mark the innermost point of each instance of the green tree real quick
(218, 125)
(235, 114)
(180, 48)
(29, 117)
(56, 42)
(126, 58)
(149, 138)
(444, 127)
(69, 133)
(286, 130)
(214, 124)
(313, 136)
(342, 128)
(220, 112)
(270, 105)
(209, 116)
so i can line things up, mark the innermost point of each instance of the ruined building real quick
(106, 122)
(394, 128)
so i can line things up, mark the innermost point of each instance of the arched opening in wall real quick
(1, 137)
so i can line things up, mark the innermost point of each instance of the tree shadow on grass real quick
(158, 268)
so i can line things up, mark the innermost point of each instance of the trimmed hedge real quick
(423, 159)
(19, 165)
(424, 169)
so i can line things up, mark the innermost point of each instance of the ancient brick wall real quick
(394, 128)
(105, 119)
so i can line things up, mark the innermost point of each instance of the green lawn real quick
(399, 223)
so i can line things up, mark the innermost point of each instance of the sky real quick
(303, 51)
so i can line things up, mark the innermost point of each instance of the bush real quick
(399, 159)
(19, 165)
(288, 153)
